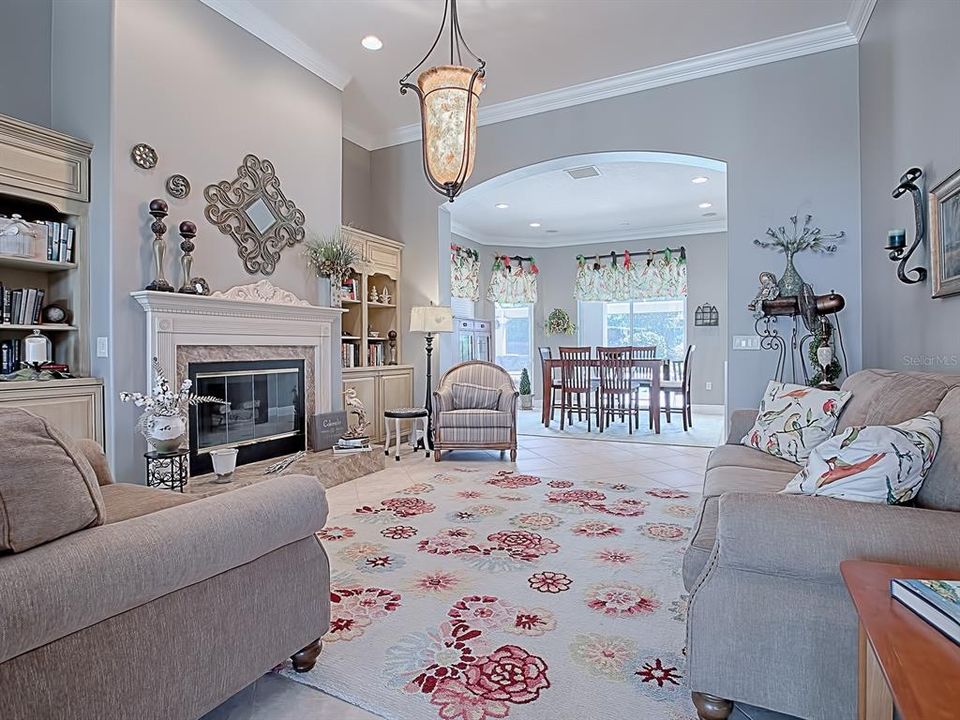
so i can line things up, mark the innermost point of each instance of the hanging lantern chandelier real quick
(449, 97)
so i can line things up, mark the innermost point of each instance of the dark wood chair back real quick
(688, 368)
(643, 352)
(546, 353)
(575, 369)
(616, 370)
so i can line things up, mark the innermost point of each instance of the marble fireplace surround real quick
(248, 322)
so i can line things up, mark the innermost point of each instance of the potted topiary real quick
(526, 396)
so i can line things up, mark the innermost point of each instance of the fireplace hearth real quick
(265, 415)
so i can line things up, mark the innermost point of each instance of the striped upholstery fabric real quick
(475, 406)
(467, 396)
(475, 419)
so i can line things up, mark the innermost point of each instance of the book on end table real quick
(936, 601)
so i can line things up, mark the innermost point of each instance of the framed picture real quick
(945, 236)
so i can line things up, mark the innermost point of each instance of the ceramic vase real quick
(165, 432)
(790, 283)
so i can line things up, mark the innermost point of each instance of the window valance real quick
(511, 282)
(652, 275)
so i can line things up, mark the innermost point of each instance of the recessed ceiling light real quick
(551, 232)
(699, 180)
(372, 42)
(704, 206)
(624, 224)
(501, 206)
(534, 224)
(710, 214)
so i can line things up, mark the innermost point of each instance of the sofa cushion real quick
(48, 488)
(122, 501)
(742, 456)
(467, 396)
(941, 489)
(887, 397)
(475, 419)
(794, 419)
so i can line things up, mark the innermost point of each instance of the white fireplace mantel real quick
(254, 315)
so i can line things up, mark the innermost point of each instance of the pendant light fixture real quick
(449, 97)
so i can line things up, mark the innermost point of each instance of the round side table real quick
(168, 470)
(419, 417)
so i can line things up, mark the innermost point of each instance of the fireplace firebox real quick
(265, 415)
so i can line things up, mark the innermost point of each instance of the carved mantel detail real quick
(263, 291)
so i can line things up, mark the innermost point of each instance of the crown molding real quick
(808, 42)
(859, 15)
(262, 26)
(357, 135)
(554, 241)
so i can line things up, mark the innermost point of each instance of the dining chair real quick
(642, 377)
(680, 386)
(546, 353)
(575, 380)
(617, 391)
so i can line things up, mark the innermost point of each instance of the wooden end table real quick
(904, 662)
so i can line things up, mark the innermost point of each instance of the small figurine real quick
(353, 405)
(385, 296)
(769, 290)
(373, 294)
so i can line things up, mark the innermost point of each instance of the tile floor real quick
(275, 698)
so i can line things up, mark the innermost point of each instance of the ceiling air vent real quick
(579, 173)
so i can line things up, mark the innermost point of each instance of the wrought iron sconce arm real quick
(903, 254)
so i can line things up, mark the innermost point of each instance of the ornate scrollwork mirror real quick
(253, 210)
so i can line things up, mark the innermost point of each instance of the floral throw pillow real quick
(794, 419)
(877, 463)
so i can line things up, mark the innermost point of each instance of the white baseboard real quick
(708, 409)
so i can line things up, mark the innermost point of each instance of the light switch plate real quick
(746, 342)
(709, 386)
(103, 347)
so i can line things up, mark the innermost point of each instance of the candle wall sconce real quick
(706, 315)
(897, 239)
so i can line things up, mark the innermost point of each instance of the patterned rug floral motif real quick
(481, 595)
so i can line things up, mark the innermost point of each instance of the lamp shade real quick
(450, 96)
(431, 319)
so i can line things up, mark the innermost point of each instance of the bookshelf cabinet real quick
(365, 325)
(45, 178)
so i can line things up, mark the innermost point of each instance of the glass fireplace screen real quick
(264, 405)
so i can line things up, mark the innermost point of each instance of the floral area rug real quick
(482, 594)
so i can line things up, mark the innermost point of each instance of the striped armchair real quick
(475, 406)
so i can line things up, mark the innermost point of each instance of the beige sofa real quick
(169, 607)
(770, 622)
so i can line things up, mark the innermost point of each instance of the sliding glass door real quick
(514, 338)
(639, 322)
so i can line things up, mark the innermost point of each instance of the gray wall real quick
(909, 115)
(25, 60)
(789, 132)
(356, 203)
(706, 281)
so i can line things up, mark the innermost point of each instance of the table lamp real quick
(430, 319)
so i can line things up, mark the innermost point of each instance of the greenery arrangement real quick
(525, 383)
(331, 255)
(559, 323)
(800, 239)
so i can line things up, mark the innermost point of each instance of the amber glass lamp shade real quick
(449, 98)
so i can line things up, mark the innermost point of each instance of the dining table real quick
(658, 369)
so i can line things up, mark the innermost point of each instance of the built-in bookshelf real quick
(44, 261)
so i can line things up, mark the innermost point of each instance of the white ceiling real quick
(533, 47)
(637, 195)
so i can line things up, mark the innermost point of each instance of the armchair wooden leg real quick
(513, 454)
(710, 707)
(436, 456)
(304, 660)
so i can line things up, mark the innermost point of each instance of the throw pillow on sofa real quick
(794, 419)
(467, 396)
(48, 489)
(877, 463)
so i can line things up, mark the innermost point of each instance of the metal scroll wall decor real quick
(253, 210)
(897, 239)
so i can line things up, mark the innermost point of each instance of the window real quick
(462, 307)
(514, 338)
(640, 322)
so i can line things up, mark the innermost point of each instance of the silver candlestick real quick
(188, 231)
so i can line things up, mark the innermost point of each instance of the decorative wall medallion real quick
(178, 186)
(144, 156)
(253, 210)
(263, 292)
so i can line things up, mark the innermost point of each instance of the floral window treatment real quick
(642, 277)
(512, 282)
(464, 273)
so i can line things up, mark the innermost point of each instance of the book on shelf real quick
(20, 306)
(935, 601)
(348, 290)
(60, 241)
(375, 354)
(10, 354)
(349, 355)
